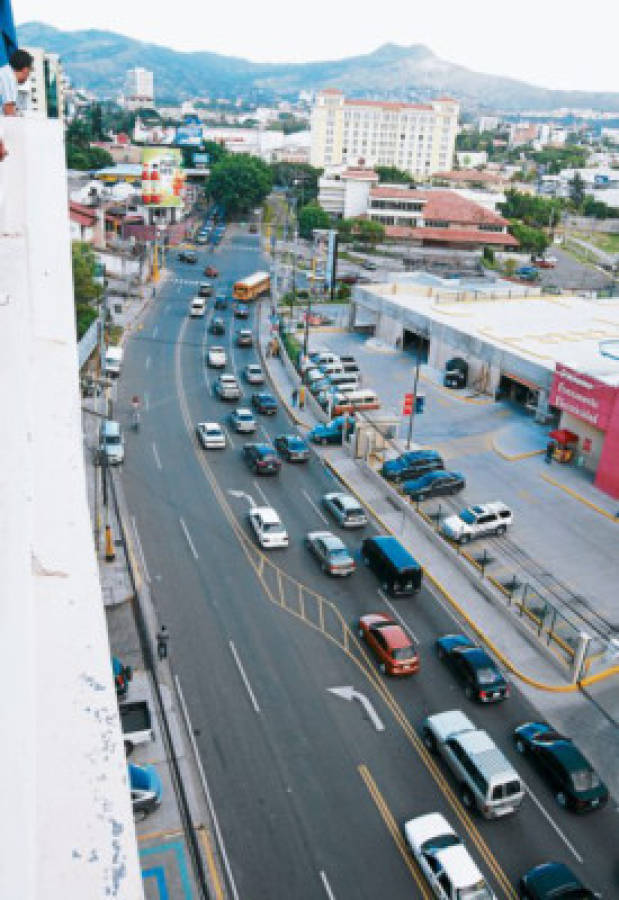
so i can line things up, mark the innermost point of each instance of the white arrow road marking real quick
(189, 541)
(349, 693)
(239, 664)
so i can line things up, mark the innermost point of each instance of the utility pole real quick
(308, 310)
(411, 417)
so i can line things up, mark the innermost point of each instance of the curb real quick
(439, 387)
(580, 498)
(516, 457)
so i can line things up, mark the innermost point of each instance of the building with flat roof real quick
(417, 137)
(139, 88)
(345, 192)
(557, 356)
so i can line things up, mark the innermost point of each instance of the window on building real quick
(436, 223)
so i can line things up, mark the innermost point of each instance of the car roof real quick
(209, 425)
(432, 825)
(267, 514)
(477, 657)
(226, 376)
(345, 499)
(459, 866)
(331, 541)
(254, 366)
(450, 722)
(263, 448)
(243, 410)
(395, 635)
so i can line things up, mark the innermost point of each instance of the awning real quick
(563, 436)
(530, 384)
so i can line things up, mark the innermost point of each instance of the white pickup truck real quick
(477, 521)
(137, 724)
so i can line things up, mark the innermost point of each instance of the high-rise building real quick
(417, 137)
(139, 88)
(43, 93)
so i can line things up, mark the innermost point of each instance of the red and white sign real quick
(582, 396)
(408, 404)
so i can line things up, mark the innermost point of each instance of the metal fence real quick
(87, 343)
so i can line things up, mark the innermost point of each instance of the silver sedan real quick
(331, 552)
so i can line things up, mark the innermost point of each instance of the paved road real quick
(305, 789)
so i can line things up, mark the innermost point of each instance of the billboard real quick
(188, 135)
(201, 160)
(163, 179)
(583, 396)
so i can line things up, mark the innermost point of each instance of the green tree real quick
(215, 151)
(86, 290)
(84, 158)
(239, 182)
(538, 212)
(344, 229)
(531, 240)
(577, 191)
(299, 179)
(310, 217)
(393, 175)
(369, 232)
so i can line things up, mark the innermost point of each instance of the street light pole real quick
(411, 417)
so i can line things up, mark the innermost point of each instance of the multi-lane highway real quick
(310, 795)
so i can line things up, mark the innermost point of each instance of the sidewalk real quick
(164, 851)
(542, 678)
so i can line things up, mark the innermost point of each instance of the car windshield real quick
(479, 891)
(467, 516)
(339, 553)
(440, 842)
(401, 653)
(112, 439)
(354, 511)
(585, 780)
(214, 432)
(296, 444)
(271, 526)
(245, 416)
(487, 676)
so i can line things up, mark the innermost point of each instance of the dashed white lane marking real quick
(157, 457)
(239, 665)
(314, 507)
(189, 541)
(406, 628)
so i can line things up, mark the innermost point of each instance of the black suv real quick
(482, 678)
(411, 464)
(261, 458)
(575, 783)
(217, 326)
(264, 403)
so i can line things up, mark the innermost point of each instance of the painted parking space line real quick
(173, 867)
(580, 498)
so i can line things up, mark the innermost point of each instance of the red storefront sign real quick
(582, 396)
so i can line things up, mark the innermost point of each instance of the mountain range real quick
(98, 61)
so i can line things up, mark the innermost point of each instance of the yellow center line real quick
(210, 861)
(396, 834)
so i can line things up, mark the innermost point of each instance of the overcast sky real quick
(544, 42)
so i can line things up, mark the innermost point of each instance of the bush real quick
(488, 254)
(293, 347)
(343, 291)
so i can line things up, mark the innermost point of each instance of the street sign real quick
(408, 405)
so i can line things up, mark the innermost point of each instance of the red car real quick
(211, 272)
(391, 645)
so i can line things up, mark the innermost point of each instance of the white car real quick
(477, 521)
(242, 420)
(268, 527)
(211, 435)
(253, 374)
(444, 860)
(216, 358)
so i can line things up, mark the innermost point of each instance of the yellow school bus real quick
(251, 287)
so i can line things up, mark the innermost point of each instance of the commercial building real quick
(557, 357)
(43, 93)
(417, 137)
(345, 192)
(437, 218)
(139, 88)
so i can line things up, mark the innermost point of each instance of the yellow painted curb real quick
(515, 457)
(552, 688)
(580, 498)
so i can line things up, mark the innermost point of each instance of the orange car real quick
(390, 643)
(211, 272)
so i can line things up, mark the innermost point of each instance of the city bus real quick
(251, 287)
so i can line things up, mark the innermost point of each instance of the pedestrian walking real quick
(162, 642)
(302, 397)
(550, 449)
(295, 396)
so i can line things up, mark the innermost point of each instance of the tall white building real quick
(417, 137)
(139, 88)
(43, 93)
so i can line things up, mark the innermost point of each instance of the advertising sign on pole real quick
(408, 405)
(163, 179)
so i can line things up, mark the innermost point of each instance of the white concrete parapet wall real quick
(68, 827)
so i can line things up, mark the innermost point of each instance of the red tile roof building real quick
(437, 218)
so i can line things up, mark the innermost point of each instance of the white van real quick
(197, 307)
(345, 381)
(326, 358)
(350, 401)
(113, 361)
(333, 368)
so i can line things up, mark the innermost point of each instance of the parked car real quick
(575, 783)
(253, 374)
(411, 464)
(227, 387)
(553, 881)
(544, 262)
(145, 788)
(137, 724)
(389, 642)
(487, 780)
(443, 859)
(478, 672)
(347, 511)
(122, 676)
(242, 420)
(331, 432)
(477, 521)
(268, 527)
(244, 338)
(188, 256)
(434, 484)
(241, 311)
(111, 443)
(217, 326)
(292, 447)
(211, 435)
(216, 358)
(264, 403)
(262, 459)
(527, 273)
(331, 552)
(211, 272)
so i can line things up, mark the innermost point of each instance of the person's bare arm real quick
(9, 109)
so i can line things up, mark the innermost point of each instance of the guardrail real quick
(87, 343)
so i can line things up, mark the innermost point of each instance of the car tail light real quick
(483, 695)
(506, 692)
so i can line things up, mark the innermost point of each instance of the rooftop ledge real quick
(70, 830)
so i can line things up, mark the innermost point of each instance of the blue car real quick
(331, 433)
(434, 484)
(145, 786)
(411, 464)
(482, 679)
(553, 881)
